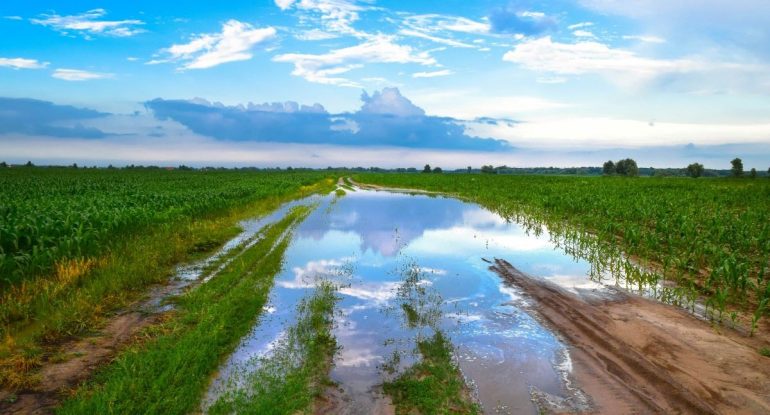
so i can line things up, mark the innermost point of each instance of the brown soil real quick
(636, 356)
(59, 379)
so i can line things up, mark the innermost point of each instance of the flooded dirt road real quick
(546, 337)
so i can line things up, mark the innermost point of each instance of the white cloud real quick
(438, 22)
(89, 23)
(335, 16)
(468, 105)
(315, 34)
(233, 43)
(580, 25)
(545, 55)
(603, 132)
(433, 74)
(322, 68)
(22, 63)
(13, 17)
(645, 38)
(584, 33)
(79, 75)
(436, 39)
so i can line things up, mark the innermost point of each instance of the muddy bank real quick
(633, 355)
(83, 356)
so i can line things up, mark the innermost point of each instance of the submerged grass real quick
(168, 374)
(296, 371)
(434, 385)
(37, 315)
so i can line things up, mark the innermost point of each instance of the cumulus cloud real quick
(22, 63)
(386, 118)
(234, 43)
(79, 75)
(90, 23)
(34, 117)
(324, 68)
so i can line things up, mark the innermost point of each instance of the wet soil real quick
(632, 355)
(59, 379)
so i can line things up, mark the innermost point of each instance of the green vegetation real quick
(47, 215)
(737, 169)
(712, 237)
(296, 371)
(434, 385)
(765, 351)
(625, 167)
(695, 170)
(169, 373)
(80, 291)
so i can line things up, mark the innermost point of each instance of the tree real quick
(737, 169)
(608, 168)
(753, 173)
(3, 165)
(426, 169)
(470, 169)
(695, 170)
(29, 164)
(768, 173)
(627, 167)
(437, 170)
(488, 169)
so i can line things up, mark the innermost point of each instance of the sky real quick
(386, 83)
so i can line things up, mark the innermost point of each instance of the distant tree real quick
(768, 173)
(437, 170)
(488, 169)
(29, 164)
(627, 167)
(753, 173)
(426, 169)
(3, 165)
(737, 170)
(608, 168)
(470, 169)
(695, 170)
(74, 165)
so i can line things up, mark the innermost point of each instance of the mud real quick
(635, 356)
(58, 380)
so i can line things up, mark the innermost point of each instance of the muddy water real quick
(370, 243)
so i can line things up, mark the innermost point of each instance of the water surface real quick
(372, 243)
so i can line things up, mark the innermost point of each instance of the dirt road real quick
(636, 356)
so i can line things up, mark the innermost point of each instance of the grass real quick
(295, 373)
(434, 385)
(765, 351)
(169, 374)
(40, 314)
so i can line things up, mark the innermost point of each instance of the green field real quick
(77, 245)
(710, 236)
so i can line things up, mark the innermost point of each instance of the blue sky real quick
(348, 82)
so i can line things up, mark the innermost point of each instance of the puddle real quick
(365, 240)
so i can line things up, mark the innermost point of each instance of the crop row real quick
(50, 214)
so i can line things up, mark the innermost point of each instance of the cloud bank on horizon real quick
(519, 82)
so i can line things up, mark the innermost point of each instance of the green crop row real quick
(47, 215)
